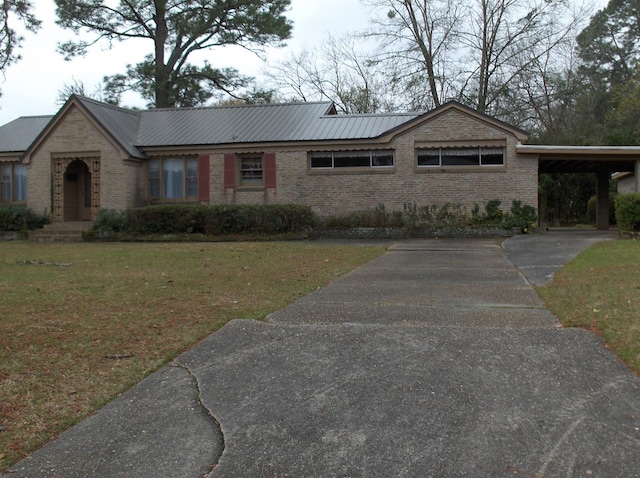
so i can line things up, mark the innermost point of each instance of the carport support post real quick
(602, 204)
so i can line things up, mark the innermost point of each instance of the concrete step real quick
(61, 232)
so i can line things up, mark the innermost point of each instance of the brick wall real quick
(331, 192)
(76, 137)
(123, 184)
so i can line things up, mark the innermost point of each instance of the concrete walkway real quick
(436, 359)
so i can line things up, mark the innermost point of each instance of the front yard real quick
(81, 323)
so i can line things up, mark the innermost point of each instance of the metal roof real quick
(228, 125)
(135, 130)
(17, 136)
(340, 127)
(121, 123)
(259, 124)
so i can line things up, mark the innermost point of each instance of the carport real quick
(602, 161)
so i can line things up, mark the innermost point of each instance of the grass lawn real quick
(81, 323)
(600, 291)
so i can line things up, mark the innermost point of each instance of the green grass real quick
(600, 291)
(81, 323)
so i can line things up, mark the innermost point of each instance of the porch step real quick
(61, 232)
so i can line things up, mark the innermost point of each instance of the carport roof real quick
(582, 159)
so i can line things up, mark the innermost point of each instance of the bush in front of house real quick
(19, 218)
(258, 219)
(378, 218)
(415, 219)
(523, 217)
(209, 220)
(628, 212)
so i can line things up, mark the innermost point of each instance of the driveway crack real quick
(209, 413)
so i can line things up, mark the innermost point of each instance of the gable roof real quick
(120, 123)
(483, 117)
(135, 130)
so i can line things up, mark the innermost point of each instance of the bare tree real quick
(474, 52)
(419, 46)
(340, 70)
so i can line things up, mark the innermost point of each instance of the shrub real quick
(448, 215)
(628, 212)
(380, 217)
(109, 222)
(212, 220)
(249, 219)
(165, 219)
(522, 217)
(19, 218)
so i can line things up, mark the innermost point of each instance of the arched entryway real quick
(77, 192)
(76, 189)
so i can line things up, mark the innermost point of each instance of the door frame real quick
(60, 166)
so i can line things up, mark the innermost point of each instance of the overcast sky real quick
(31, 86)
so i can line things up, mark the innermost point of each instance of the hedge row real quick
(19, 218)
(210, 220)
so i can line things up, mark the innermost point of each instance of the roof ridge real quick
(102, 104)
(374, 115)
(222, 107)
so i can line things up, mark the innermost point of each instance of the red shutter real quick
(204, 173)
(269, 164)
(229, 170)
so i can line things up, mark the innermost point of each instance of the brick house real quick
(93, 156)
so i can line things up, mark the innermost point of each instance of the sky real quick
(31, 86)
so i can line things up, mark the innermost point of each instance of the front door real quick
(77, 192)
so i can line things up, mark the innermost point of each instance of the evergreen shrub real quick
(20, 218)
(210, 220)
(628, 212)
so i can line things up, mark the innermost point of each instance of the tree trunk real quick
(161, 74)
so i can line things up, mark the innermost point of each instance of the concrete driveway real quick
(436, 359)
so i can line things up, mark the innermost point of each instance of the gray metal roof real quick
(228, 125)
(259, 124)
(135, 130)
(121, 123)
(17, 136)
(340, 127)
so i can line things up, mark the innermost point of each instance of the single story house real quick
(92, 156)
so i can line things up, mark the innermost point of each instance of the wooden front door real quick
(77, 192)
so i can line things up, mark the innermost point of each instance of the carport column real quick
(602, 205)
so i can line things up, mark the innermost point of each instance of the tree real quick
(78, 88)
(9, 39)
(609, 46)
(419, 38)
(473, 52)
(178, 29)
(338, 71)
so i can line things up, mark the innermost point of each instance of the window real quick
(351, 159)
(13, 182)
(173, 178)
(251, 171)
(434, 157)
